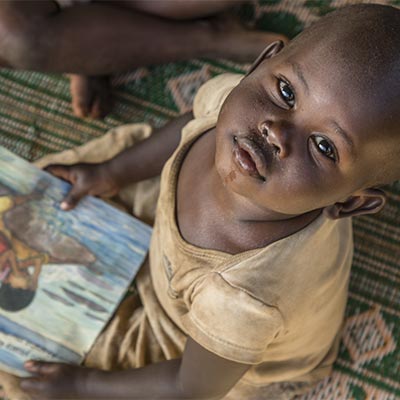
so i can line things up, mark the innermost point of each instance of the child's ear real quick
(268, 52)
(367, 201)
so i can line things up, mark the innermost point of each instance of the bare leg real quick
(179, 9)
(91, 95)
(104, 38)
(99, 39)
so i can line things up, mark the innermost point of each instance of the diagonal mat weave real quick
(36, 119)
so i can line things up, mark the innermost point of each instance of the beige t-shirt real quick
(280, 307)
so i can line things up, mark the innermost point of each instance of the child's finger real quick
(41, 367)
(31, 385)
(30, 366)
(73, 198)
(61, 171)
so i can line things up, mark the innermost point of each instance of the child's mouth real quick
(249, 157)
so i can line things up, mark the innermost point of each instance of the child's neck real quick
(267, 229)
(210, 216)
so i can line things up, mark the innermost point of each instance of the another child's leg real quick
(22, 30)
(180, 9)
(232, 40)
(90, 95)
(104, 38)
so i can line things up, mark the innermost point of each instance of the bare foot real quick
(91, 95)
(237, 43)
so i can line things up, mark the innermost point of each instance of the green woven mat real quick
(36, 119)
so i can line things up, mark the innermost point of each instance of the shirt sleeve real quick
(230, 322)
(208, 102)
(212, 94)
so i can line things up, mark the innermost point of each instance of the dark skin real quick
(93, 41)
(175, 379)
(274, 163)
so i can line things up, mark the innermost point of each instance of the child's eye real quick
(286, 92)
(325, 147)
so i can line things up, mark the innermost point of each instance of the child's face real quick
(300, 133)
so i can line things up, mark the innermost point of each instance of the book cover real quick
(62, 274)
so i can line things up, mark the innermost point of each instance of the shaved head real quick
(363, 38)
(363, 43)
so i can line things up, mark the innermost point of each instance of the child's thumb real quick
(72, 198)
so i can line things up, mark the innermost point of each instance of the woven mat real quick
(36, 119)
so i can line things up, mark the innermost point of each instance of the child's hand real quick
(55, 380)
(93, 179)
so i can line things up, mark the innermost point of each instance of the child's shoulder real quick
(213, 93)
(208, 102)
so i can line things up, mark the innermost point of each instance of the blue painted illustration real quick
(62, 273)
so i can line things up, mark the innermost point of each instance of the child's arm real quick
(200, 374)
(142, 161)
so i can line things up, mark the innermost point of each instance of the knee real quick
(183, 9)
(21, 40)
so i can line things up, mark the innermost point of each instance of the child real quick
(244, 293)
(98, 38)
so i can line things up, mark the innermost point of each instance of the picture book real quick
(62, 273)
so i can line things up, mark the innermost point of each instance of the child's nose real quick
(277, 135)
